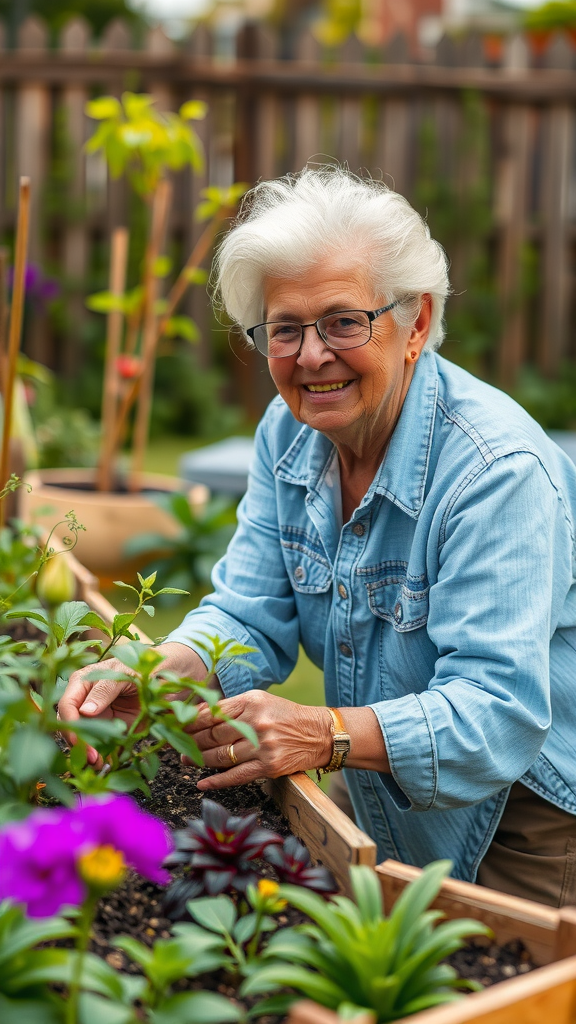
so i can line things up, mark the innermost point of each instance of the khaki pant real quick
(533, 853)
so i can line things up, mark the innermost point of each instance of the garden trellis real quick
(268, 115)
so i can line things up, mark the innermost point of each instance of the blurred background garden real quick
(464, 106)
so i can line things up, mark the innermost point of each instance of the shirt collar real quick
(402, 474)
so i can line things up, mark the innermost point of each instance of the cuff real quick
(412, 754)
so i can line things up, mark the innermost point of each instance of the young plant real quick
(146, 145)
(32, 674)
(354, 958)
(203, 537)
(221, 853)
(219, 849)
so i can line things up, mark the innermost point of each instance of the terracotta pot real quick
(110, 518)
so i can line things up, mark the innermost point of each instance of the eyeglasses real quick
(348, 328)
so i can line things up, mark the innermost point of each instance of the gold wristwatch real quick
(340, 744)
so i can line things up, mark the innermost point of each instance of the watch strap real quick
(340, 743)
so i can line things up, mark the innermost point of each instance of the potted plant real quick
(145, 146)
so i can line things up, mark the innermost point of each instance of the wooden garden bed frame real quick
(544, 996)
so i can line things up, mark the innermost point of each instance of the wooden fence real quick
(275, 103)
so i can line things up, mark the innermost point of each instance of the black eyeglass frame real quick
(371, 314)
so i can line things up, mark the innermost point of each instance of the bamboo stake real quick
(16, 315)
(3, 315)
(160, 211)
(118, 262)
(194, 261)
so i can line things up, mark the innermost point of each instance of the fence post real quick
(557, 142)
(511, 207)
(75, 39)
(395, 126)
(32, 126)
(307, 106)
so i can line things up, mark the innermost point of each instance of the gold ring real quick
(231, 754)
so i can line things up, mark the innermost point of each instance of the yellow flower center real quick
(102, 868)
(266, 887)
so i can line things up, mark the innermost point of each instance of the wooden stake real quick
(3, 315)
(118, 262)
(16, 315)
(160, 211)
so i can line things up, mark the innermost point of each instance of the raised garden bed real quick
(547, 994)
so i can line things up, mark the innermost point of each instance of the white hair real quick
(288, 226)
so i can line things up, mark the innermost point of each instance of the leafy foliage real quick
(203, 538)
(143, 143)
(354, 956)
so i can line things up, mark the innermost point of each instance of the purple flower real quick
(38, 288)
(39, 856)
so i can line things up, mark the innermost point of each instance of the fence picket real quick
(307, 106)
(75, 39)
(558, 161)
(512, 185)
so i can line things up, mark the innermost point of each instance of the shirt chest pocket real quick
(403, 604)
(309, 573)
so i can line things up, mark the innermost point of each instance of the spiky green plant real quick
(353, 957)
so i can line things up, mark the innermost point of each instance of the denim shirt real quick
(447, 604)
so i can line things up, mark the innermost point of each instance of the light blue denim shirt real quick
(447, 604)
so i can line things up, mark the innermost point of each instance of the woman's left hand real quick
(292, 737)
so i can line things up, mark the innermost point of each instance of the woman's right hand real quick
(108, 698)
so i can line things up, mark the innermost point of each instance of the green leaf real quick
(103, 107)
(217, 913)
(125, 781)
(30, 754)
(367, 892)
(32, 616)
(181, 741)
(149, 609)
(162, 266)
(122, 621)
(149, 766)
(313, 985)
(197, 1008)
(193, 110)
(28, 1011)
(274, 1005)
(91, 729)
(195, 275)
(182, 327)
(69, 617)
(105, 302)
(94, 621)
(94, 1009)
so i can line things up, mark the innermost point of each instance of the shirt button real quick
(345, 650)
(398, 612)
(342, 591)
(359, 529)
(299, 574)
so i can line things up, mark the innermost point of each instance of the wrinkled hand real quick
(108, 698)
(292, 737)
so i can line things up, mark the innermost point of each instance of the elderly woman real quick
(413, 529)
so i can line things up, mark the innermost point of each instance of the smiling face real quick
(353, 396)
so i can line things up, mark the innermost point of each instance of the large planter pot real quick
(545, 995)
(110, 518)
